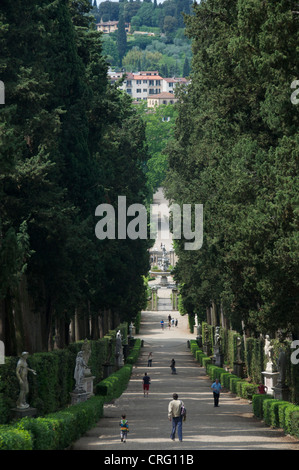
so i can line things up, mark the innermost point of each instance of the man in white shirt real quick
(174, 415)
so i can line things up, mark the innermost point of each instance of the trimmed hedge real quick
(14, 439)
(114, 385)
(134, 353)
(57, 431)
(277, 413)
(50, 389)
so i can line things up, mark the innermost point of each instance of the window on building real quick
(144, 81)
(158, 82)
(138, 82)
(138, 90)
(129, 82)
(144, 90)
(152, 82)
(129, 91)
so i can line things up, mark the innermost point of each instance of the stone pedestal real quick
(108, 369)
(164, 280)
(219, 359)
(207, 349)
(270, 380)
(88, 385)
(19, 413)
(78, 396)
(281, 392)
(239, 369)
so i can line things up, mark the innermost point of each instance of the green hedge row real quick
(114, 385)
(50, 389)
(277, 413)
(57, 431)
(229, 381)
(252, 354)
(134, 353)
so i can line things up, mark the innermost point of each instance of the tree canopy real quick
(236, 152)
(69, 142)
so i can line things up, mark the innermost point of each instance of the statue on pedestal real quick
(217, 340)
(239, 343)
(79, 371)
(268, 350)
(86, 350)
(118, 349)
(22, 375)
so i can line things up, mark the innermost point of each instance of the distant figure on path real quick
(174, 415)
(162, 324)
(216, 387)
(149, 359)
(124, 428)
(172, 366)
(146, 383)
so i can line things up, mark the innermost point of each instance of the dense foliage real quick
(69, 142)
(167, 49)
(236, 152)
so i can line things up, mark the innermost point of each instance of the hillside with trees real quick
(167, 49)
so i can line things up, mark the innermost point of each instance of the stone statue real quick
(79, 371)
(86, 349)
(239, 342)
(268, 350)
(22, 375)
(217, 339)
(118, 349)
(282, 364)
(118, 343)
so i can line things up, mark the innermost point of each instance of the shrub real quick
(288, 417)
(114, 385)
(233, 383)
(14, 439)
(257, 404)
(294, 428)
(134, 353)
(245, 389)
(206, 361)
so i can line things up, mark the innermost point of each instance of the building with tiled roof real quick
(161, 98)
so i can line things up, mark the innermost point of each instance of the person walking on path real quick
(174, 415)
(149, 359)
(216, 387)
(172, 366)
(124, 428)
(146, 383)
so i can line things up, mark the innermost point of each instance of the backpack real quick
(183, 411)
(124, 426)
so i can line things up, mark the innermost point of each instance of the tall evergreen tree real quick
(121, 38)
(236, 125)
